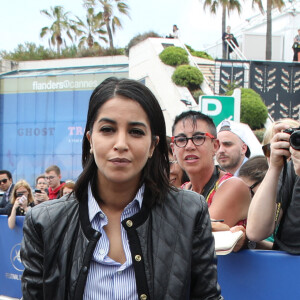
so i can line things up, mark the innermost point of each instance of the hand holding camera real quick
(285, 142)
(21, 200)
(40, 196)
(294, 138)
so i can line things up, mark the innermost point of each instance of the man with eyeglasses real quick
(194, 145)
(53, 177)
(6, 185)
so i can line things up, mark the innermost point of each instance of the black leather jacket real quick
(173, 239)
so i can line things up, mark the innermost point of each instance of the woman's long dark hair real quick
(155, 174)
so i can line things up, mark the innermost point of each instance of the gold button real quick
(143, 297)
(129, 223)
(138, 258)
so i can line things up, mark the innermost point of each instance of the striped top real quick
(108, 279)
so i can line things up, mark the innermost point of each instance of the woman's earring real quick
(91, 151)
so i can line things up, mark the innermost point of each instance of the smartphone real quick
(38, 191)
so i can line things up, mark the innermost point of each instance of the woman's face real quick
(194, 159)
(22, 190)
(176, 172)
(121, 141)
(42, 184)
(67, 190)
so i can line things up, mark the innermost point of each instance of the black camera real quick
(294, 138)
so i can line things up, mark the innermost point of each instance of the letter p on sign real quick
(220, 108)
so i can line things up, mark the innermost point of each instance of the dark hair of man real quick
(194, 116)
(156, 172)
(9, 176)
(255, 168)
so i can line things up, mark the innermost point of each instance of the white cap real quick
(238, 129)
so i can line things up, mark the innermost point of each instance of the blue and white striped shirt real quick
(108, 279)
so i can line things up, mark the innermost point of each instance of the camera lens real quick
(295, 140)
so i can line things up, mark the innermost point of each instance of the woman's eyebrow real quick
(107, 120)
(138, 124)
(134, 123)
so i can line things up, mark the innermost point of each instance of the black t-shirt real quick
(288, 235)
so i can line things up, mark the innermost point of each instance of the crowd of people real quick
(20, 197)
(145, 205)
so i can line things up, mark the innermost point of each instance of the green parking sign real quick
(221, 107)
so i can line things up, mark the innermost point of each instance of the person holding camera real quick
(21, 201)
(41, 190)
(274, 207)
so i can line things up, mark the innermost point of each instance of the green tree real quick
(91, 30)
(227, 6)
(109, 7)
(270, 5)
(61, 25)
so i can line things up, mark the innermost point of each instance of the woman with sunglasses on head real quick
(21, 202)
(275, 205)
(124, 232)
(270, 132)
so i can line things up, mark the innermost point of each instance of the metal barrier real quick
(247, 275)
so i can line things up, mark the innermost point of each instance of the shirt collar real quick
(94, 208)
(8, 191)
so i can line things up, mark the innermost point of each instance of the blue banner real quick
(11, 267)
(41, 129)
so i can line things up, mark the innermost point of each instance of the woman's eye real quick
(106, 129)
(137, 132)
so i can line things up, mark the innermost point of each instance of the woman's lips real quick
(120, 161)
(191, 158)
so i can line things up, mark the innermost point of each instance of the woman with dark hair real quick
(123, 233)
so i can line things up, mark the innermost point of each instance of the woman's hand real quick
(241, 244)
(40, 197)
(279, 146)
(23, 202)
(219, 226)
(16, 204)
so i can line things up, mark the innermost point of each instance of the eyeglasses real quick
(3, 180)
(198, 140)
(49, 177)
(253, 186)
(267, 150)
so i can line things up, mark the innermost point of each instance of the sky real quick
(21, 20)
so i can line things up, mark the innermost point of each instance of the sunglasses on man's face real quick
(3, 181)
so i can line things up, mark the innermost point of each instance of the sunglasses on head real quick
(267, 150)
(253, 186)
(3, 180)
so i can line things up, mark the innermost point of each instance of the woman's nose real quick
(121, 142)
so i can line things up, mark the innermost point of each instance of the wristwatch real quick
(251, 245)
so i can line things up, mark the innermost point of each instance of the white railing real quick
(235, 49)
